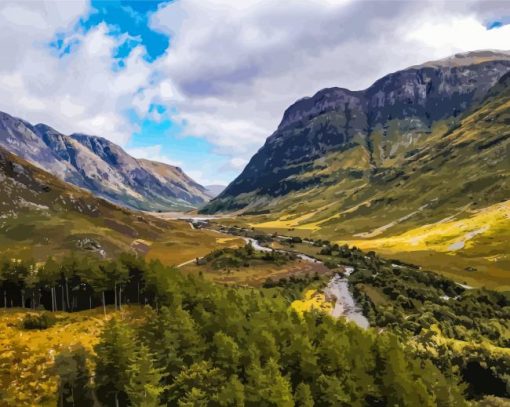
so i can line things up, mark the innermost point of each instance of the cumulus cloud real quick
(154, 152)
(234, 66)
(78, 91)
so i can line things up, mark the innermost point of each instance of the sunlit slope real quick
(41, 215)
(474, 248)
(29, 356)
(445, 186)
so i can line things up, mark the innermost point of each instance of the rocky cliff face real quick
(102, 167)
(408, 102)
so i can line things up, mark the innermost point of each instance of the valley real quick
(434, 317)
(361, 258)
(410, 186)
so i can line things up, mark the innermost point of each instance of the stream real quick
(345, 305)
(337, 289)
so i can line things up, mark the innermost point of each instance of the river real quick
(337, 289)
(345, 305)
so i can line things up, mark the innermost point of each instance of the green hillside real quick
(410, 192)
(42, 216)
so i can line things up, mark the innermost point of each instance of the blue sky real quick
(203, 83)
(159, 138)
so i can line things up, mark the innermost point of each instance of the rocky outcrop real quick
(102, 167)
(337, 119)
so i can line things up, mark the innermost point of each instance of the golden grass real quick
(447, 236)
(255, 275)
(313, 300)
(27, 356)
(187, 244)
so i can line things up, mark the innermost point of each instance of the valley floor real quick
(472, 249)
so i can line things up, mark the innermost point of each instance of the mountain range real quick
(102, 167)
(416, 164)
(41, 215)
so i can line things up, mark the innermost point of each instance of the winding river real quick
(337, 289)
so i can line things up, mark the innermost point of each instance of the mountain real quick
(102, 167)
(416, 164)
(214, 190)
(40, 214)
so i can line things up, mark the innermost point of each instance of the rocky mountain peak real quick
(100, 166)
(338, 119)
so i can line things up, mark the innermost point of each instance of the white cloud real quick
(75, 92)
(153, 153)
(234, 66)
(205, 178)
(237, 163)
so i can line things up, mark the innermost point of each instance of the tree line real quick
(207, 345)
(76, 283)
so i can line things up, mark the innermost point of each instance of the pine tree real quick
(332, 392)
(226, 352)
(74, 387)
(174, 339)
(200, 381)
(232, 394)
(399, 385)
(267, 386)
(113, 355)
(144, 388)
(303, 396)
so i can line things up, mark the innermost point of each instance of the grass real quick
(313, 300)
(26, 360)
(255, 275)
(187, 244)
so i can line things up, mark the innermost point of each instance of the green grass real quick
(445, 177)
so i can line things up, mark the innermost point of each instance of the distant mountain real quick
(102, 167)
(425, 146)
(42, 215)
(214, 190)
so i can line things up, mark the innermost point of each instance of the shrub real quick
(330, 264)
(38, 321)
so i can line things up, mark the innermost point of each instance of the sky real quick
(202, 83)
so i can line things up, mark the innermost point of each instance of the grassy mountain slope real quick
(411, 191)
(41, 215)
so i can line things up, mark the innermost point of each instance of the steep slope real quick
(174, 178)
(383, 123)
(41, 214)
(379, 174)
(102, 167)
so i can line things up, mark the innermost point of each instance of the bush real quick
(38, 321)
(330, 264)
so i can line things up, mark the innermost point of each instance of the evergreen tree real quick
(266, 386)
(226, 352)
(144, 388)
(303, 396)
(331, 392)
(74, 378)
(398, 384)
(198, 383)
(114, 353)
(232, 394)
